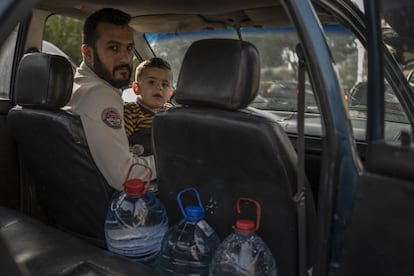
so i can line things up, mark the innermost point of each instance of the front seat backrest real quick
(53, 147)
(212, 142)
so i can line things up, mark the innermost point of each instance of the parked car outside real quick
(283, 95)
(358, 96)
(357, 105)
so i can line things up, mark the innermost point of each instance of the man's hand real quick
(137, 149)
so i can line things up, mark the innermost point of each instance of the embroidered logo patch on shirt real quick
(111, 118)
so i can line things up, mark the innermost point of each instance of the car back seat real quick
(53, 149)
(41, 250)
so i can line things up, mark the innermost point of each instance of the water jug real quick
(244, 253)
(136, 222)
(188, 247)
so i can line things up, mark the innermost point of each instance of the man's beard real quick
(100, 70)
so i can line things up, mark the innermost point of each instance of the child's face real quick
(154, 87)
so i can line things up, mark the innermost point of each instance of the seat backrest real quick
(53, 147)
(212, 142)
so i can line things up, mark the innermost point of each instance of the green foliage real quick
(66, 33)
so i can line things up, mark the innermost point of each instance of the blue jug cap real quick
(191, 212)
(194, 213)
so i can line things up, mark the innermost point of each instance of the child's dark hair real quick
(152, 62)
(107, 15)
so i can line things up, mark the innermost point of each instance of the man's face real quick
(112, 54)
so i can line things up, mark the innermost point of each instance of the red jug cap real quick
(244, 226)
(134, 187)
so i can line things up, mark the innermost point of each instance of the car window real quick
(278, 86)
(279, 70)
(63, 36)
(172, 47)
(395, 118)
(6, 61)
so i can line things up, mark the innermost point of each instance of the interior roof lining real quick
(185, 15)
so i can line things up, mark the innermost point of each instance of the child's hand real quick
(137, 149)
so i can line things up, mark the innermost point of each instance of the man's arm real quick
(101, 112)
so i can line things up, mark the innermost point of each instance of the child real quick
(153, 87)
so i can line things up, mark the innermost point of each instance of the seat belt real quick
(300, 197)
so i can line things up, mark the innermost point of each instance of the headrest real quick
(224, 73)
(43, 81)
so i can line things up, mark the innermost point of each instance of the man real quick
(107, 51)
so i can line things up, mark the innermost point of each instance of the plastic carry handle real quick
(181, 204)
(258, 210)
(149, 176)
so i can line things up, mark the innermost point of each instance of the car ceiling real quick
(180, 15)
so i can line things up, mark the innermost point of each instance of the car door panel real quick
(379, 240)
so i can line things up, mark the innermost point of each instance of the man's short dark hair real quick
(106, 15)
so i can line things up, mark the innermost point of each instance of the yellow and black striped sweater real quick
(138, 123)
